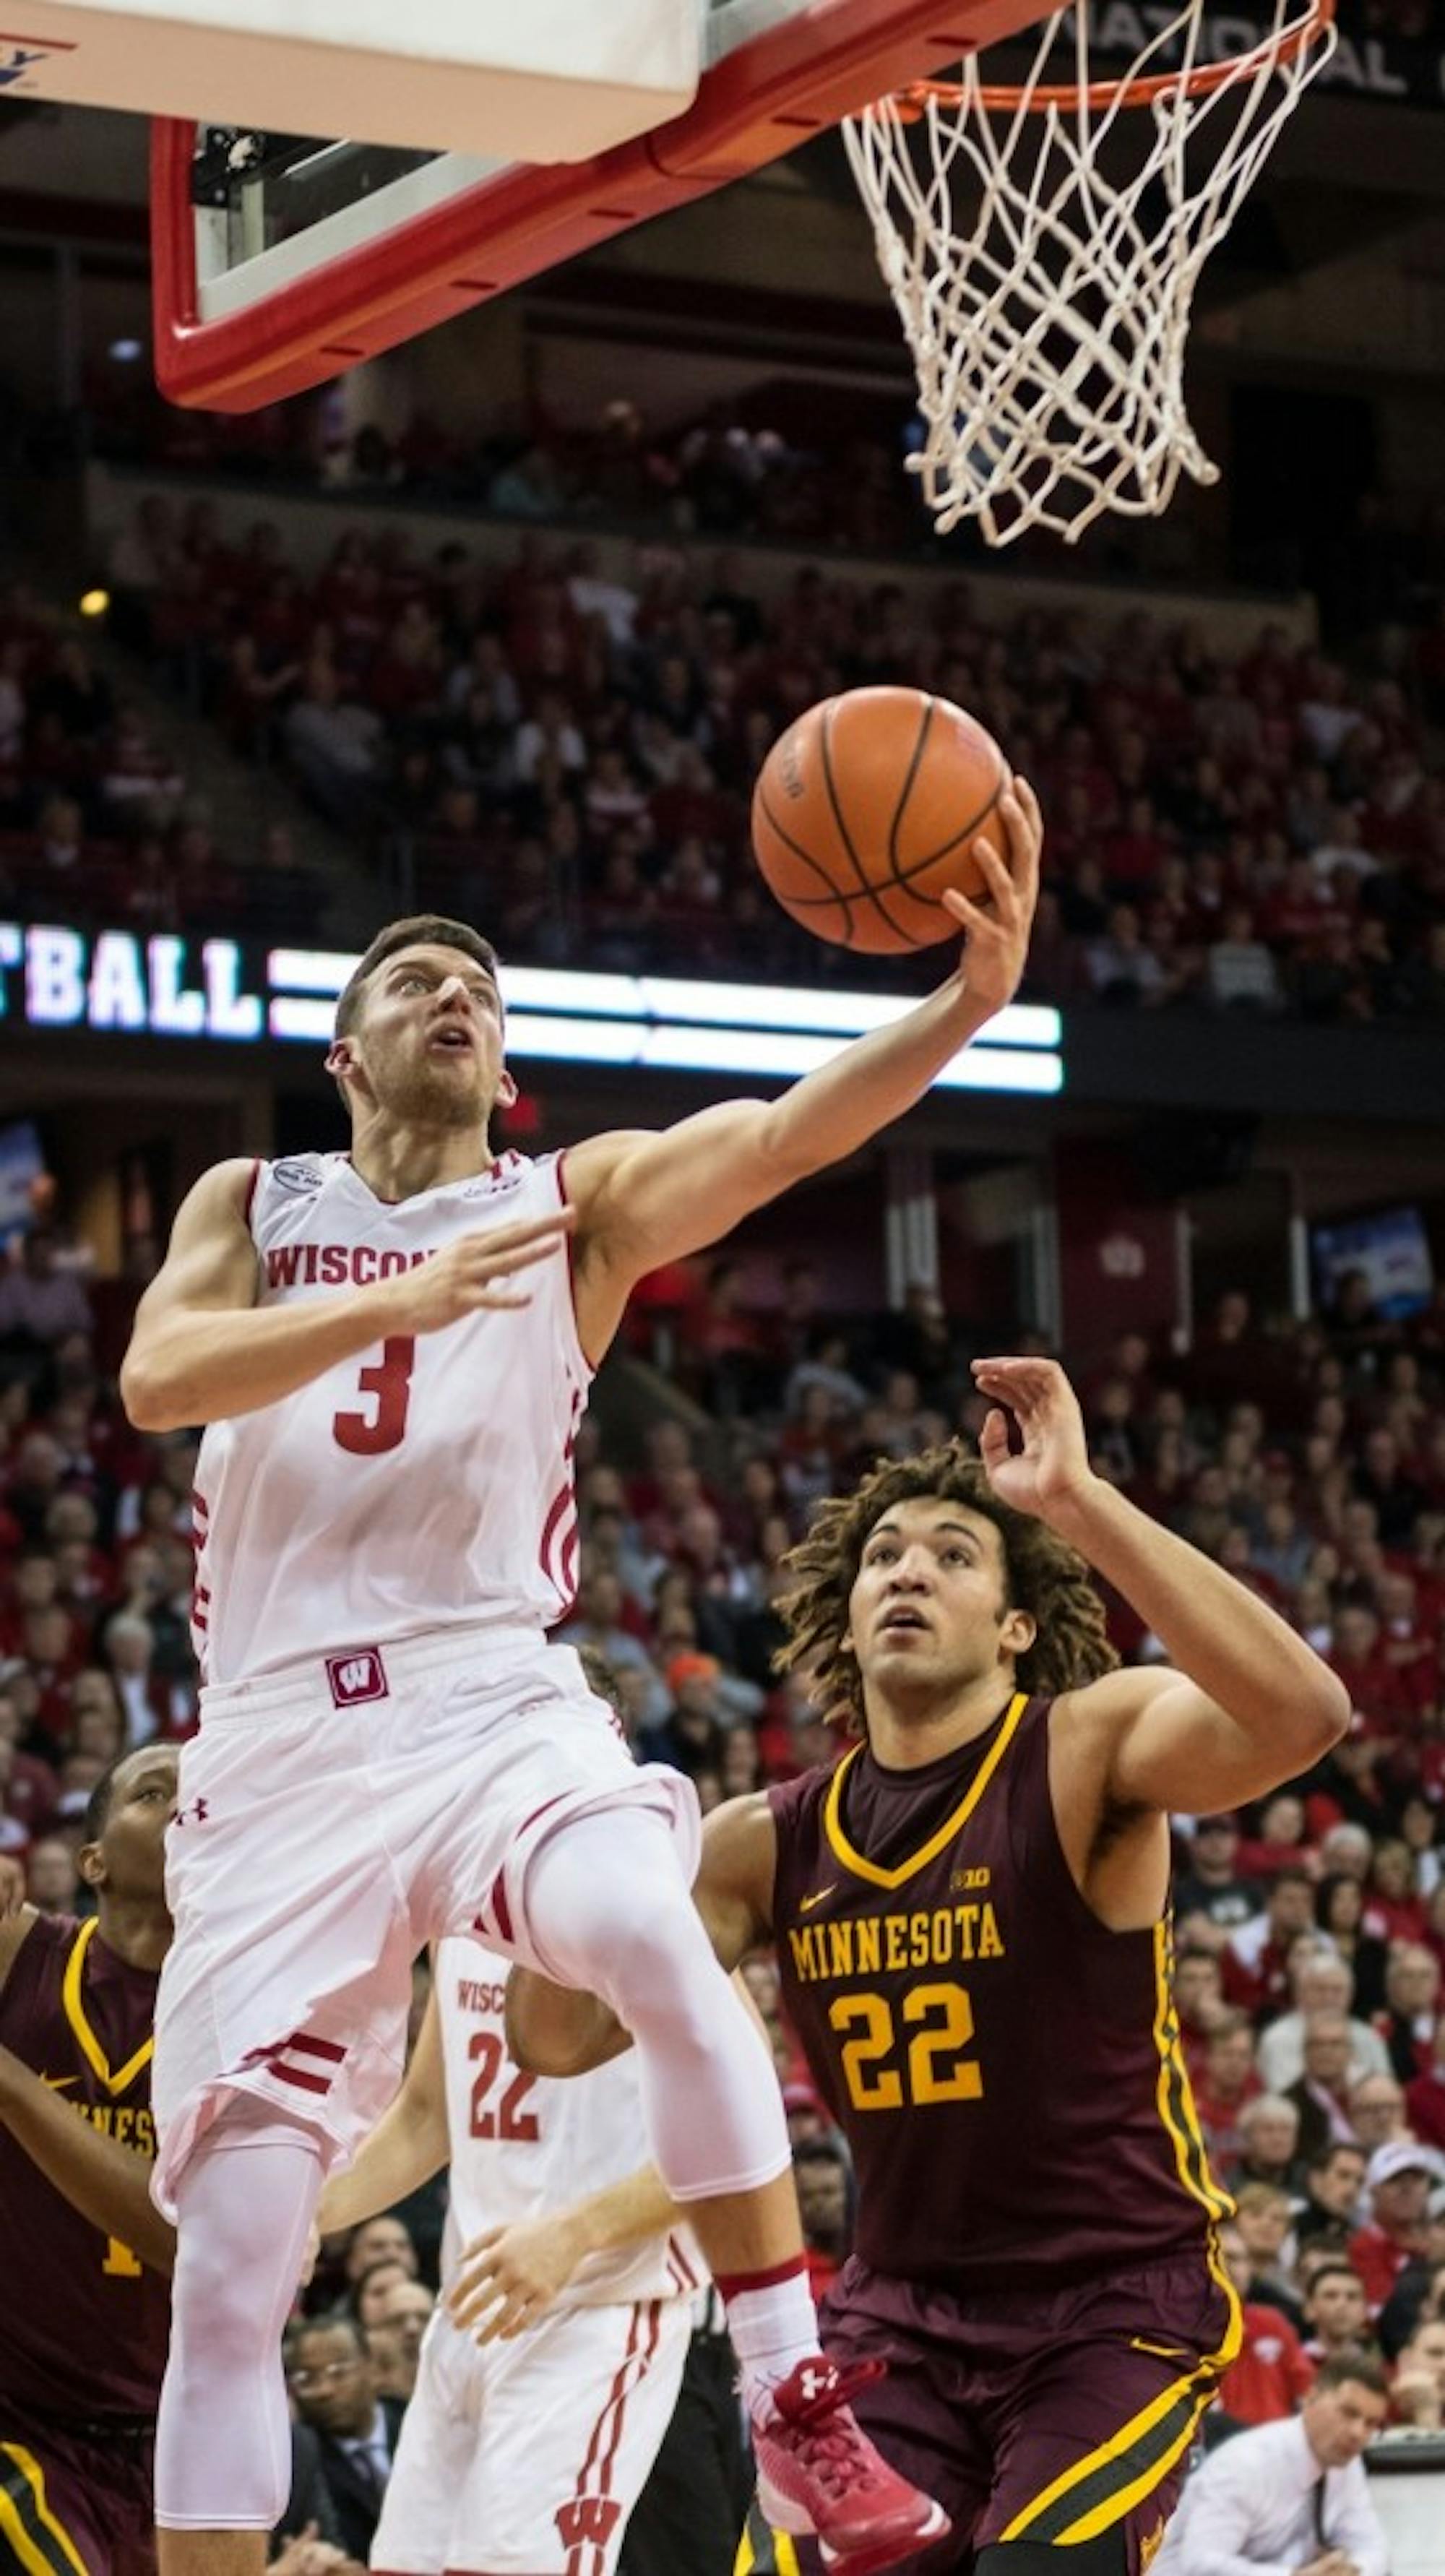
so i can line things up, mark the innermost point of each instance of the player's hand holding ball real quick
(887, 820)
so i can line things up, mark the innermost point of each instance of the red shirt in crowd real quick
(1272, 2373)
(1379, 2259)
(1425, 2107)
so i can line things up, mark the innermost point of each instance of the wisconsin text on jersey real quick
(339, 1265)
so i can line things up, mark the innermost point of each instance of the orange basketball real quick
(867, 809)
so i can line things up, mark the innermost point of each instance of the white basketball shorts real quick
(526, 2458)
(334, 1818)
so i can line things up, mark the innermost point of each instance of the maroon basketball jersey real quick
(86, 2326)
(1006, 2070)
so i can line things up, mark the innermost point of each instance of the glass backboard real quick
(281, 259)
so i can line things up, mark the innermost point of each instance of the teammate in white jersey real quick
(550, 2372)
(385, 1758)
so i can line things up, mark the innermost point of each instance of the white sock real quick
(773, 2327)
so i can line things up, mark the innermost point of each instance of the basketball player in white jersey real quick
(390, 1351)
(536, 2418)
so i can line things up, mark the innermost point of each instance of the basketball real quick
(866, 811)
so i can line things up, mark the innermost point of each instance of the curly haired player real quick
(971, 1918)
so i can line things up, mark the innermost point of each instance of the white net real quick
(1042, 245)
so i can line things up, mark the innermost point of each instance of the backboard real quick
(279, 260)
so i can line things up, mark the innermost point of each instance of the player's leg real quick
(919, 2412)
(593, 1884)
(421, 2513)
(245, 2200)
(1107, 2555)
(575, 2411)
(1097, 2419)
(608, 1907)
(54, 2514)
(696, 2497)
(279, 2039)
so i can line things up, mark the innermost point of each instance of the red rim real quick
(1005, 98)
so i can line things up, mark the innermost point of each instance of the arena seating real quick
(568, 755)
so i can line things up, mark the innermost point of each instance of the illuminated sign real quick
(117, 983)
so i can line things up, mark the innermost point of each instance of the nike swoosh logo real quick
(58, 2083)
(806, 1903)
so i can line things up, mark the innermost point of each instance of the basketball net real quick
(1042, 243)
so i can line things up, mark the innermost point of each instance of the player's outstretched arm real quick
(203, 1350)
(555, 2030)
(406, 2147)
(1249, 1703)
(508, 2277)
(108, 2183)
(642, 1199)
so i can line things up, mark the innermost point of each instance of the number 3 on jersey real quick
(388, 1380)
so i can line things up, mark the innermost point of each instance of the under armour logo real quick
(195, 1813)
(361, 1675)
(587, 2522)
(814, 2383)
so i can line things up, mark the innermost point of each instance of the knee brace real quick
(244, 2203)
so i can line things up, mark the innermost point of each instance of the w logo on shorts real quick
(358, 1676)
(586, 2522)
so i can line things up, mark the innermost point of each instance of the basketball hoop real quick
(1048, 324)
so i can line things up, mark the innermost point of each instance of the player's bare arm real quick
(203, 1350)
(508, 2277)
(408, 2145)
(642, 1198)
(554, 2030)
(1247, 1703)
(107, 2182)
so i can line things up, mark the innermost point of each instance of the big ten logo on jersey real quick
(301, 1174)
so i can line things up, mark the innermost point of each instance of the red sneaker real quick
(818, 2471)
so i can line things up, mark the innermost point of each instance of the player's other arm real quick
(1248, 1704)
(202, 1349)
(642, 1199)
(407, 2146)
(109, 2184)
(508, 2277)
(555, 2030)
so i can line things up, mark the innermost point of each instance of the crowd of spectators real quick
(97, 821)
(566, 751)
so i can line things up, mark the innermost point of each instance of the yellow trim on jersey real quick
(1177, 2110)
(868, 1869)
(30, 2555)
(1174, 2093)
(75, 2013)
(13, 2530)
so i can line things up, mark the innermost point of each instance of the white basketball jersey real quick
(526, 2145)
(421, 1485)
